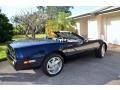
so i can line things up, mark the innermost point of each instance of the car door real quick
(73, 44)
(77, 44)
(69, 48)
(81, 44)
(86, 46)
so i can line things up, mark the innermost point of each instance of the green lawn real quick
(2, 52)
(20, 37)
(16, 37)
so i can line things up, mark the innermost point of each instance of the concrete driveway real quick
(87, 69)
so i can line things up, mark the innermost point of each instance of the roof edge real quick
(97, 12)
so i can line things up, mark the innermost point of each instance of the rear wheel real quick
(53, 65)
(101, 51)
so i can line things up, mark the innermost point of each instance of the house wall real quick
(101, 27)
(78, 26)
(105, 26)
(92, 28)
(112, 23)
(84, 27)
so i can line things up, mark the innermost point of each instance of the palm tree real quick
(61, 22)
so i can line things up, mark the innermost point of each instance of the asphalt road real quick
(85, 70)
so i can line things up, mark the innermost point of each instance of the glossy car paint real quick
(35, 51)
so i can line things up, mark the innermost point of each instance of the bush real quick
(6, 29)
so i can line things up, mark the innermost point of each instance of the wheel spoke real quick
(50, 64)
(54, 65)
(57, 61)
(50, 69)
(53, 60)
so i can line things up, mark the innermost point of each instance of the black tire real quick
(45, 64)
(99, 52)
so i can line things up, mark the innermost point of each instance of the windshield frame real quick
(60, 35)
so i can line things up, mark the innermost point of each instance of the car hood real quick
(27, 43)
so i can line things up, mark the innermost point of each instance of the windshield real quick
(66, 35)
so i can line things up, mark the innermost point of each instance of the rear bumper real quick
(19, 64)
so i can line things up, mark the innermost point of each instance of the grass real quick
(16, 37)
(20, 37)
(2, 52)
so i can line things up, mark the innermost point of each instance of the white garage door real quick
(92, 29)
(113, 30)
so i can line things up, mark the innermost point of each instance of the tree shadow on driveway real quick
(20, 77)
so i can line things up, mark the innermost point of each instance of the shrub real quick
(6, 29)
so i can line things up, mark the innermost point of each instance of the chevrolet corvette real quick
(49, 53)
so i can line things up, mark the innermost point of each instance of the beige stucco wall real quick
(112, 29)
(102, 24)
(106, 21)
(84, 27)
(83, 22)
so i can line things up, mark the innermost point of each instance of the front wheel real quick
(53, 65)
(101, 51)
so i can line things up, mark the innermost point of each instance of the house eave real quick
(100, 12)
(81, 16)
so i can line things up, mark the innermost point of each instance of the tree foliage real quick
(30, 22)
(6, 29)
(46, 18)
(19, 29)
(52, 11)
(57, 18)
(61, 22)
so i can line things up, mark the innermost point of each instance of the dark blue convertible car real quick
(49, 53)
